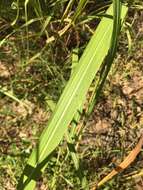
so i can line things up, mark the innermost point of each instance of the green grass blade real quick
(68, 7)
(80, 7)
(70, 101)
(16, 4)
(71, 146)
(117, 5)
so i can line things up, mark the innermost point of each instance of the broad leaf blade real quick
(71, 99)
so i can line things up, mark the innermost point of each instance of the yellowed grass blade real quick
(126, 162)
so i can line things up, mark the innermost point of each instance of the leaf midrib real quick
(72, 96)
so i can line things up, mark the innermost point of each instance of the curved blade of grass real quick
(27, 29)
(80, 7)
(123, 165)
(17, 13)
(68, 7)
(70, 101)
(10, 94)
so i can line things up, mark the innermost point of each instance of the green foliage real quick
(47, 41)
(71, 99)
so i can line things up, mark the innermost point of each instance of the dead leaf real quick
(126, 162)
